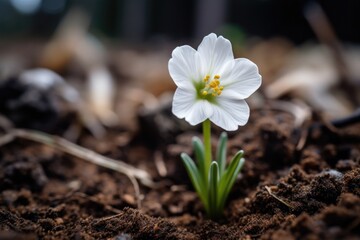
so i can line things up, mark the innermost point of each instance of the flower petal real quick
(214, 52)
(243, 81)
(230, 113)
(183, 66)
(183, 101)
(199, 112)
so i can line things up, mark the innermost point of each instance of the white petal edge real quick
(199, 112)
(230, 113)
(183, 66)
(183, 101)
(214, 53)
(243, 81)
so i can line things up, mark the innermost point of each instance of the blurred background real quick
(104, 63)
(146, 20)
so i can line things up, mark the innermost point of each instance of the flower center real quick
(212, 87)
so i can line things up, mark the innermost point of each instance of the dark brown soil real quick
(282, 192)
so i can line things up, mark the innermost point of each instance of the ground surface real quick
(283, 192)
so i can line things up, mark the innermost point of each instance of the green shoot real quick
(213, 181)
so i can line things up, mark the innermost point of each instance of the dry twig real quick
(268, 189)
(301, 113)
(300, 110)
(160, 164)
(77, 151)
(110, 217)
(324, 31)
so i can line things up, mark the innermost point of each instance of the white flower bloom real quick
(212, 84)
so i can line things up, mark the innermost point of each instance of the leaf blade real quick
(198, 147)
(229, 177)
(195, 178)
(213, 189)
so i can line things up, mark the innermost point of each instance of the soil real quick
(283, 191)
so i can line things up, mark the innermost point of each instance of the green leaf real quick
(221, 153)
(233, 176)
(229, 177)
(200, 156)
(213, 189)
(195, 178)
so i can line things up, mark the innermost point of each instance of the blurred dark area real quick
(150, 20)
(113, 55)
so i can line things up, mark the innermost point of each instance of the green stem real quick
(207, 146)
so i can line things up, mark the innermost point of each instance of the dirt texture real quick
(284, 191)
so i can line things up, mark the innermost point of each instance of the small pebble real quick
(123, 236)
(74, 185)
(333, 173)
(59, 221)
(129, 199)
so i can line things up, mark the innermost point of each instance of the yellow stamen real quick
(206, 78)
(213, 84)
(212, 87)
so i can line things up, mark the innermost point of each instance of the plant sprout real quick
(212, 86)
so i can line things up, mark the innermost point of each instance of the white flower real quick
(212, 84)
